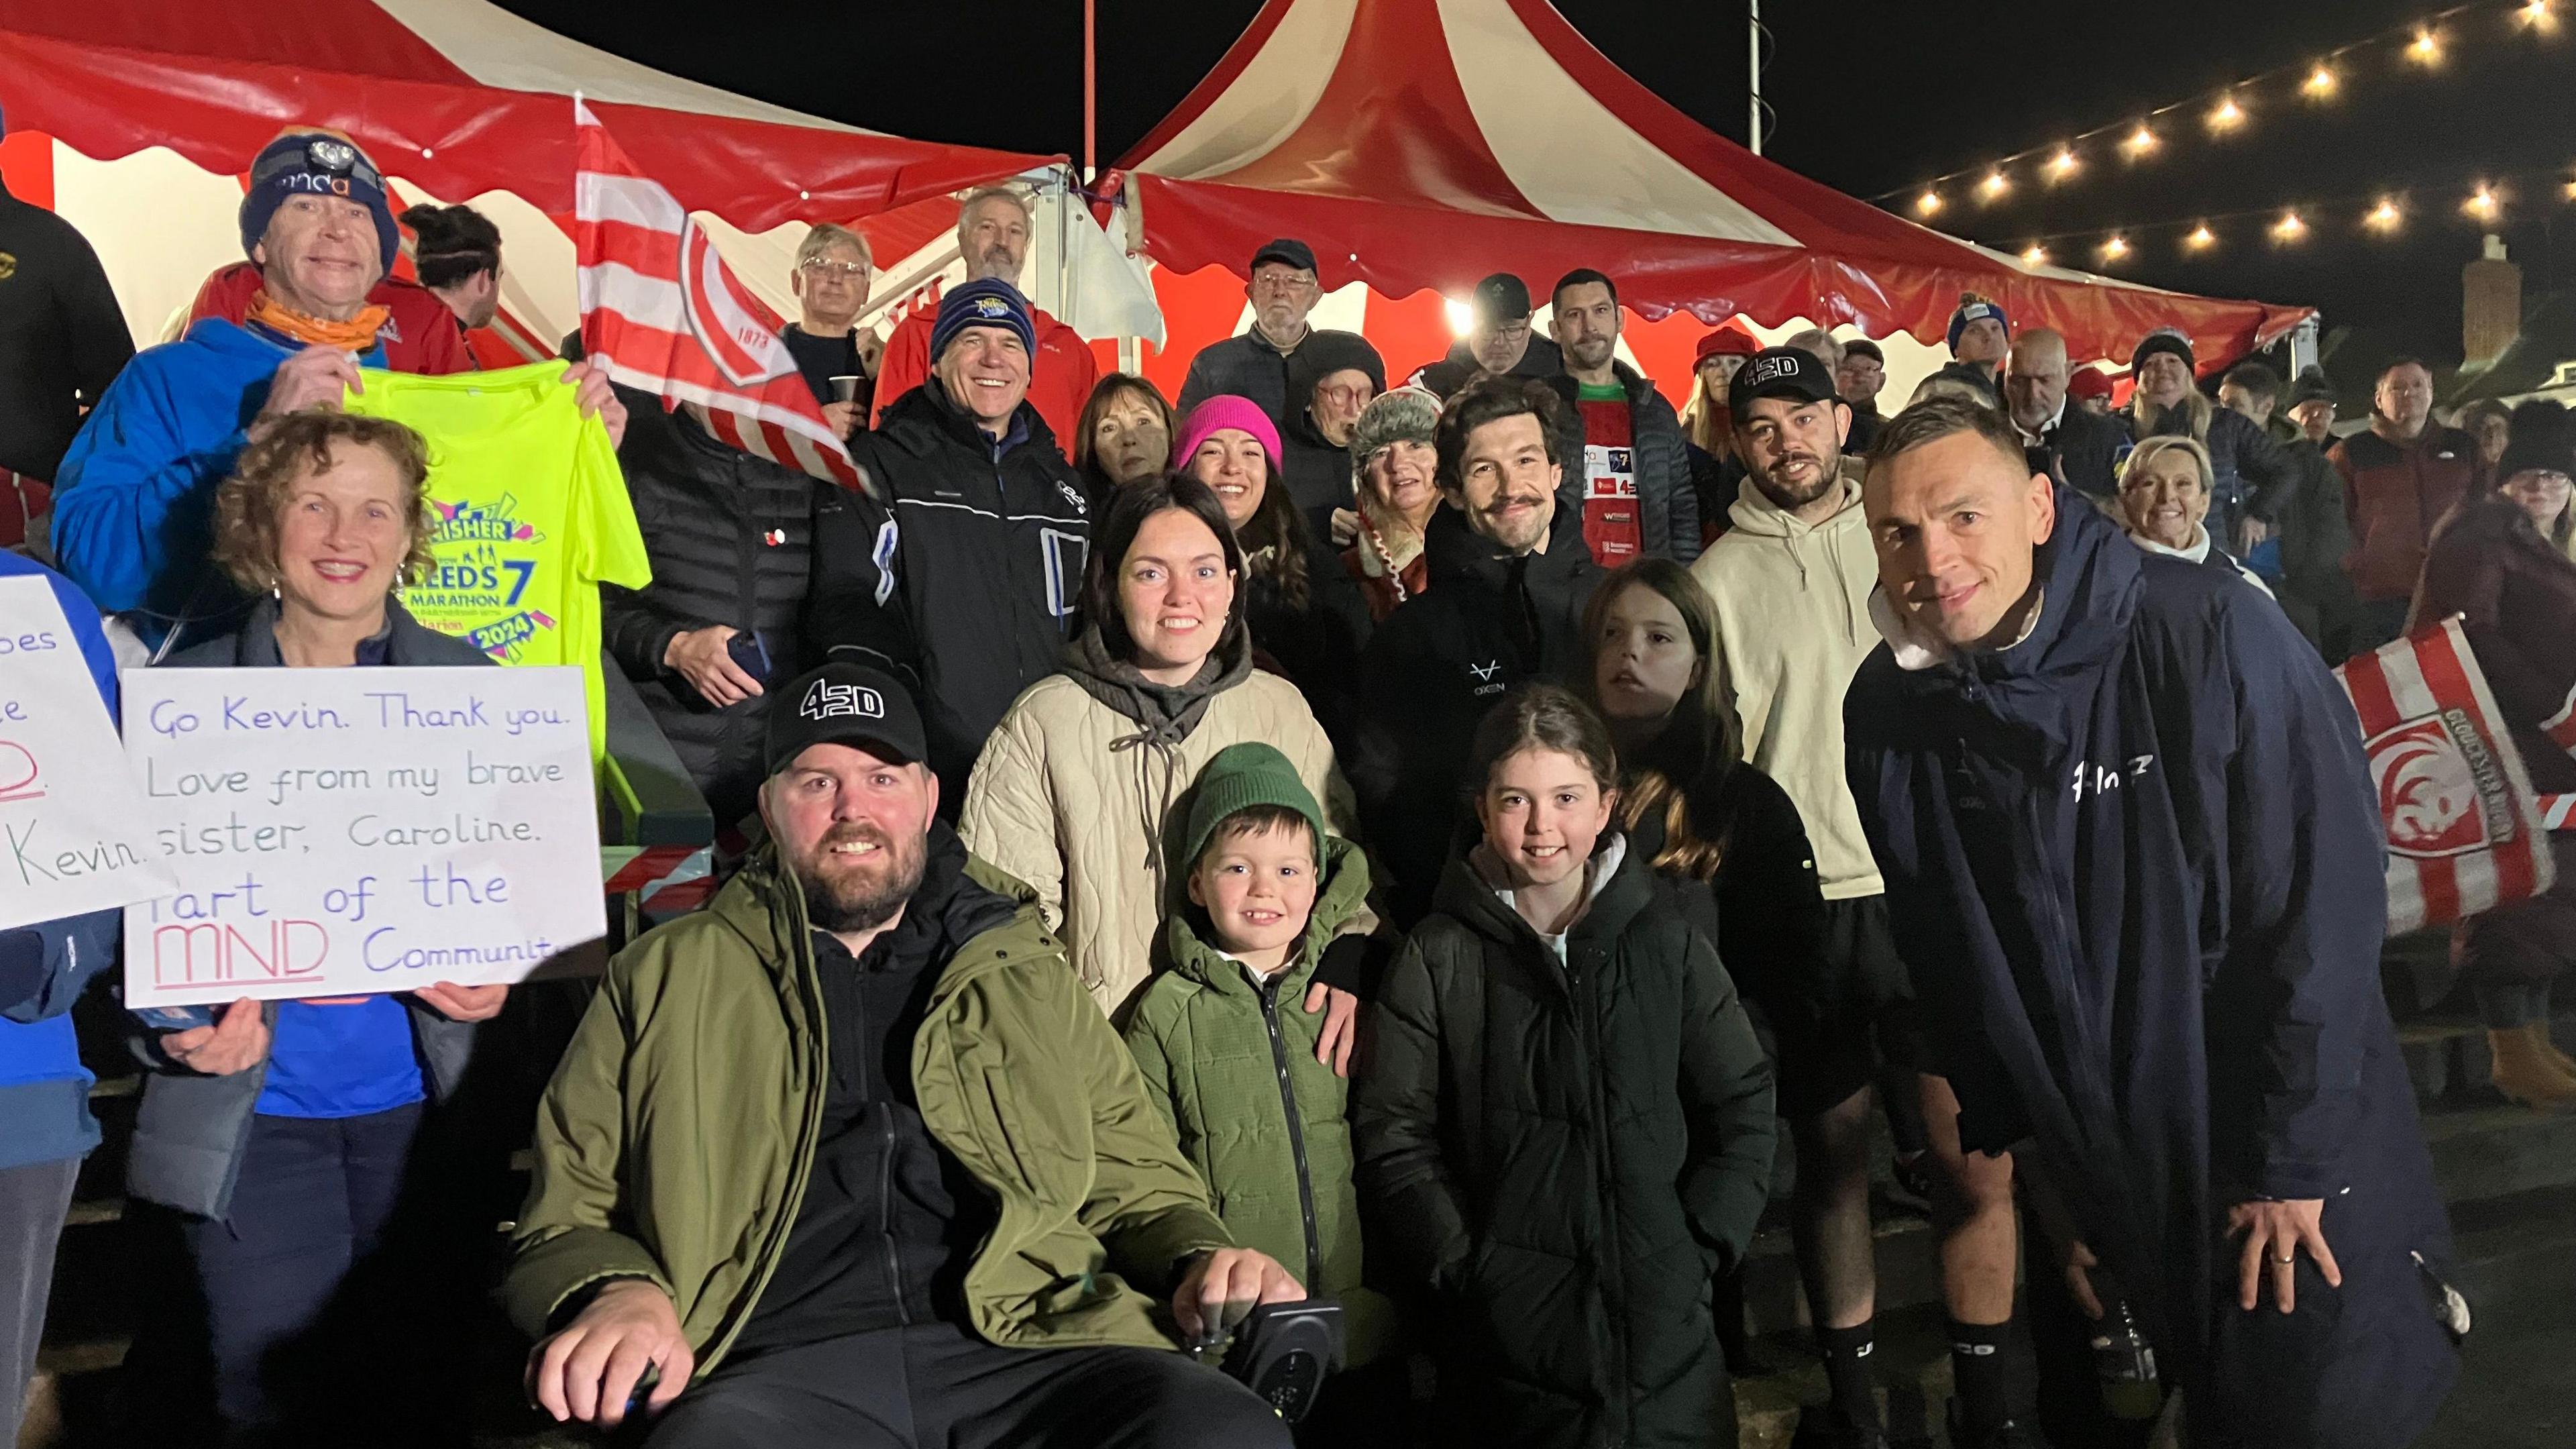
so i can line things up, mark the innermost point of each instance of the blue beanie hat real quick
(991, 302)
(1976, 309)
(318, 163)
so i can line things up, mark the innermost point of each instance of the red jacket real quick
(421, 336)
(1060, 376)
(2518, 593)
(2393, 495)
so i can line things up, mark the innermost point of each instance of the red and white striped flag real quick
(2464, 832)
(667, 315)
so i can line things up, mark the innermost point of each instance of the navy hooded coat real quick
(2134, 863)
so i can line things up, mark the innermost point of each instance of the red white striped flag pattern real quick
(2464, 833)
(660, 306)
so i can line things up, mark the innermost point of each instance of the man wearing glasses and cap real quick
(1283, 291)
(848, 1157)
(1498, 341)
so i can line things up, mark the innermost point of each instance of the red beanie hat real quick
(2088, 382)
(1730, 338)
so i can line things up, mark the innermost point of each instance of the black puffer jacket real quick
(730, 536)
(1564, 1155)
(960, 570)
(1438, 663)
(1667, 506)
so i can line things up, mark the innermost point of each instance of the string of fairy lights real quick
(2229, 110)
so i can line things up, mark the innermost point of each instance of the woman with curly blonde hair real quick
(283, 1132)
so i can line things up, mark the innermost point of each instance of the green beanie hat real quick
(1239, 778)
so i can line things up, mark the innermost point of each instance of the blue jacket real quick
(2134, 863)
(44, 1090)
(133, 504)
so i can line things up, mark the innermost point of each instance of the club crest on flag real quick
(728, 321)
(2440, 791)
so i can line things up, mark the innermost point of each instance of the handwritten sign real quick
(336, 832)
(71, 822)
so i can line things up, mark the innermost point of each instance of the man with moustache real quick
(1509, 580)
(1792, 581)
(993, 238)
(2132, 845)
(1283, 290)
(848, 1158)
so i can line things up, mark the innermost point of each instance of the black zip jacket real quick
(1667, 505)
(730, 536)
(1484, 623)
(1563, 1156)
(960, 570)
(62, 336)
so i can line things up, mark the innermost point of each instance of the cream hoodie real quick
(1793, 627)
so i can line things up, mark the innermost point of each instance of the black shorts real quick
(1860, 1013)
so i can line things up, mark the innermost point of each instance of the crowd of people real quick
(1407, 847)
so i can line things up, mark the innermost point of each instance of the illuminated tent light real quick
(2115, 248)
(1994, 185)
(2063, 164)
(1462, 317)
(2321, 81)
(2385, 216)
(2538, 15)
(1928, 203)
(2426, 49)
(2140, 141)
(2482, 204)
(2289, 228)
(2226, 115)
(2201, 238)
(2034, 255)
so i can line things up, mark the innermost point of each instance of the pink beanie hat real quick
(1225, 411)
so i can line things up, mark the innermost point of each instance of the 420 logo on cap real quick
(826, 700)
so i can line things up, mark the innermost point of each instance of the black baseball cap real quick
(1780, 372)
(845, 704)
(1288, 251)
(1502, 297)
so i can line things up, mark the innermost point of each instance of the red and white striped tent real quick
(1420, 144)
(136, 118)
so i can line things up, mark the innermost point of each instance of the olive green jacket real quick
(1213, 1049)
(675, 1141)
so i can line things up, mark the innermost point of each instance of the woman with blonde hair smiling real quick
(2165, 492)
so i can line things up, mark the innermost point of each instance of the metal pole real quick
(1753, 62)
(1090, 93)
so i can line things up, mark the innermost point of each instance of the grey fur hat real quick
(1402, 415)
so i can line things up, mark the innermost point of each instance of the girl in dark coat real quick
(1564, 1122)
(2501, 561)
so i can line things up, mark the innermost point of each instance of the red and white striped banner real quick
(669, 317)
(2464, 833)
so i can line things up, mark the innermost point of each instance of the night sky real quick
(1868, 96)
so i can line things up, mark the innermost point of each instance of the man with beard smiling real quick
(1509, 577)
(832, 1160)
(993, 239)
(960, 565)
(1792, 581)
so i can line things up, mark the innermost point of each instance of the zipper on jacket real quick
(1269, 994)
(1614, 1301)
(885, 1215)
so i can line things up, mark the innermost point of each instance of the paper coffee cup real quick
(845, 386)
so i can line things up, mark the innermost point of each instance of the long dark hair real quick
(1127, 515)
(1545, 717)
(1275, 541)
(1698, 747)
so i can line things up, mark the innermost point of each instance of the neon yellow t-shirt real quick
(530, 515)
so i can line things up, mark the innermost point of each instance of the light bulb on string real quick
(1928, 203)
(1994, 185)
(2384, 217)
(2034, 255)
(2289, 228)
(2062, 165)
(2482, 203)
(2538, 16)
(2321, 82)
(2140, 141)
(2200, 238)
(2227, 115)
(2426, 48)
(2114, 248)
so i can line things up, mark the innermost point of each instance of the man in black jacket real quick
(2083, 448)
(730, 537)
(1499, 341)
(1283, 290)
(2134, 854)
(62, 341)
(1509, 580)
(1634, 479)
(961, 566)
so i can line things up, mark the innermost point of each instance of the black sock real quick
(1848, 1382)
(1977, 1371)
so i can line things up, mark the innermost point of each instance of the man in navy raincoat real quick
(2133, 860)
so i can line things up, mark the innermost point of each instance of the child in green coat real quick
(1230, 1058)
